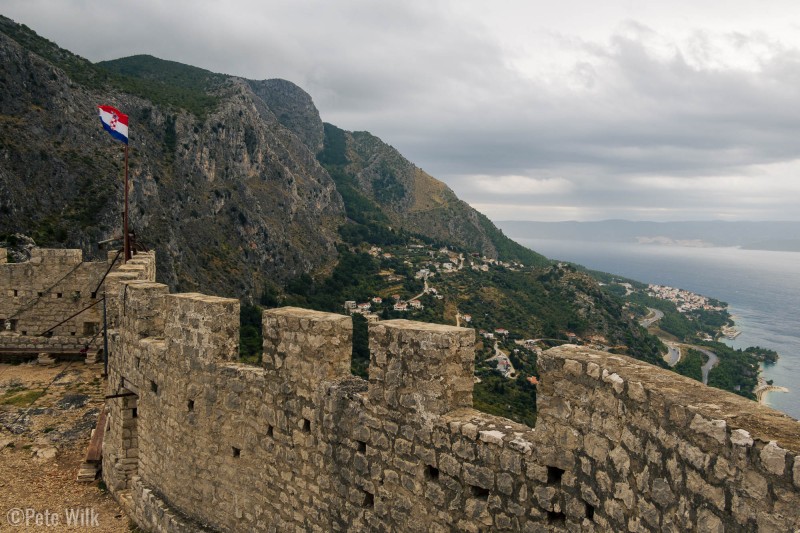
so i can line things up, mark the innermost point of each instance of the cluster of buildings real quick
(366, 308)
(685, 301)
(498, 332)
(426, 263)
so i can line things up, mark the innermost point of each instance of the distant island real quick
(746, 235)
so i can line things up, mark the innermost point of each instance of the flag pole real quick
(126, 237)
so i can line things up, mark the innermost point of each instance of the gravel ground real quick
(46, 417)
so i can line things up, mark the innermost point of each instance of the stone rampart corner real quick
(202, 442)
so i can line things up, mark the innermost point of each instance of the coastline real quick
(763, 390)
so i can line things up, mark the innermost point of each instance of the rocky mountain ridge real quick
(225, 181)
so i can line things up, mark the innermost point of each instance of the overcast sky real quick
(529, 110)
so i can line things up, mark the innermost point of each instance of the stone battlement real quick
(199, 442)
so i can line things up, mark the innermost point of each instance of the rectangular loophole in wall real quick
(431, 473)
(39, 294)
(589, 512)
(361, 446)
(93, 296)
(556, 517)
(134, 413)
(270, 431)
(153, 387)
(138, 361)
(554, 475)
(16, 293)
(369, 500)
(306, 425)
(59, 294)
(190, 405)
(479, 492)
(236, 452)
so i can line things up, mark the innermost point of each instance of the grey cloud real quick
(435, 82)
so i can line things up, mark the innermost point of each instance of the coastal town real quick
(687, 303)
(684, 300)
(422, 281)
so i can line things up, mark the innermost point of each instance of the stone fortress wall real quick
(199, 442)
(49, 288)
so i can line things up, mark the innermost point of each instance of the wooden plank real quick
(95, 452)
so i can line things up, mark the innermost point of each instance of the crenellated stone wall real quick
(199, 442)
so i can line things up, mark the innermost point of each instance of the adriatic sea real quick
(762, 289)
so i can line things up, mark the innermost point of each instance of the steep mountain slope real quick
(227, 194)
(224, 178)
(411, 199)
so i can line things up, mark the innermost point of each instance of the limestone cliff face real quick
(227, 199)
(293, 108)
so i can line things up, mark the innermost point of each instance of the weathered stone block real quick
(715, 429)
(773, 458)
(429, 365)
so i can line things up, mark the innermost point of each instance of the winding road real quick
(711, 363)
(650, 320)
(674, 354)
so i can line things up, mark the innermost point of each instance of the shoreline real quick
(763, 390)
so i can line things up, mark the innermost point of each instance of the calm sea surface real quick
(762, 289)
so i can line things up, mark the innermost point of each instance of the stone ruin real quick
(196, 441)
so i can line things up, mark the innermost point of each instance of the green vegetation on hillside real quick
(165, 83)
(251, 341)
(162, 82)
(511, 398)
(367, 222)
(691, 364)
(737, 370)
(762, 354)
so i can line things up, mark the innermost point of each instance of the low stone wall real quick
(52, 286)
(199, 442)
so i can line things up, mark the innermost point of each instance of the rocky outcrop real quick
(293, 108)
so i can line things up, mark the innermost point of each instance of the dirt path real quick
(46, 418)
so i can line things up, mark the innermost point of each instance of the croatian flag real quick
(114, 122)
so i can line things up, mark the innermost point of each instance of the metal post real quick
(105, 337)
(126, 238)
